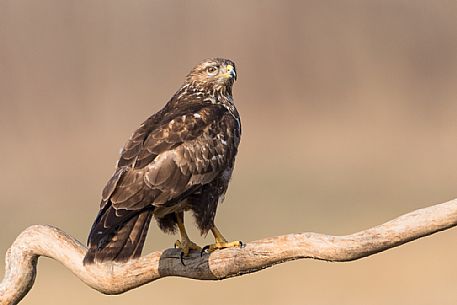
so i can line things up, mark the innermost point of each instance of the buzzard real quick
(179, 159)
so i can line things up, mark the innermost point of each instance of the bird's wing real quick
(180, 155)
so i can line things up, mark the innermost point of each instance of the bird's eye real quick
(212, 70)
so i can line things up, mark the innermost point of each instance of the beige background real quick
(349, 119)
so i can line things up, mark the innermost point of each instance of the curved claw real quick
(221, 245)
(204, 249)
(186, 246)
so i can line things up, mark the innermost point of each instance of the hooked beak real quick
(230, 72)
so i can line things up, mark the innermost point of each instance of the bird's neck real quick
(222, 96)
(189, 93)
(199, 93)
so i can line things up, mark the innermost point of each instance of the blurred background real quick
(349, 120)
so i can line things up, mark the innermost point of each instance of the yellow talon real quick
(219, 245)
(221, 242)
(186, 245)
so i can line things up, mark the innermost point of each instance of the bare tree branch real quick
(116, 278)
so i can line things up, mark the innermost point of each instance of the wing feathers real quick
(112, 183)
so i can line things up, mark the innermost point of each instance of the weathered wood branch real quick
(115, 278)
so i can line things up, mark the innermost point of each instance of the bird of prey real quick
(179, 159)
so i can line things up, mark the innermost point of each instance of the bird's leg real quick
(220, 242)
(185, 244)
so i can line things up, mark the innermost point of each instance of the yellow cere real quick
(229, 69)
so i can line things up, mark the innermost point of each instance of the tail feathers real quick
(117, 235)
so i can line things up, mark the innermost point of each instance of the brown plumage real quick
(180, 158)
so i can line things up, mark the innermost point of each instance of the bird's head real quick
(216, 74)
